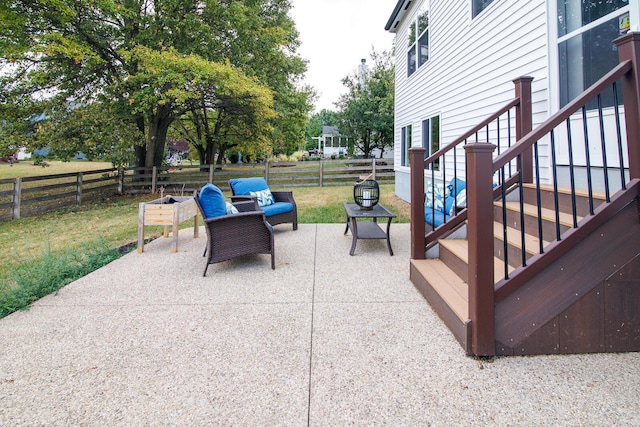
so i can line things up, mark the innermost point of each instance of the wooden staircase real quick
(527, 268)
(521, 328)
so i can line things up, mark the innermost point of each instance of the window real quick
(418, 53)
(431, 138)
(478, 6)
(406, 144)
(586, 52)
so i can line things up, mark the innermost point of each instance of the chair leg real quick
(273, 259)
(205, 270)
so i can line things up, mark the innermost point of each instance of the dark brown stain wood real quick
(569, 278)
(581, 326)
(545, 340)
(622, 308)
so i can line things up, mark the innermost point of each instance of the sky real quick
(335, 36)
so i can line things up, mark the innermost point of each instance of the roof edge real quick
(397, 15)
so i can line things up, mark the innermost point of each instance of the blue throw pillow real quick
(212, 201)
(244, 186)
(264, 197)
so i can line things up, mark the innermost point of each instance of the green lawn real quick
(43, 253)
(26, 168)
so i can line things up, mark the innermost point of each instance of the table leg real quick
(347, 227)
(141, 229)
(389, 236)
(174, 229)
(354, 234)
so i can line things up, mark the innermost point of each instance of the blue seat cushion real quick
(436, 218)
(212, 201)
(277, 208)
(460, 185)
(244, 186)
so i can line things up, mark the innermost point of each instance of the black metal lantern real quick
(366, 193)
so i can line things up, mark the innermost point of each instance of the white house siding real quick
(470, 70)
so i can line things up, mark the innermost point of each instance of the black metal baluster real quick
(509, 136)
(554, 167)
(522, 231)
(619, 134)
(538, 196)
(605, 167)
(572, 175)
(444, 189)
(433, 197)
(505, 243)
(588, 158)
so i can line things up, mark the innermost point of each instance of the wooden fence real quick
(30, 195)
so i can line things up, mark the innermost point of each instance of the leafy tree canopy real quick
(138, 66)
(366, 110)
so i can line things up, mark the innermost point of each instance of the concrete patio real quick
(324, 339)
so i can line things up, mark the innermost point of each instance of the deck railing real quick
(586, 124)
(504, 128)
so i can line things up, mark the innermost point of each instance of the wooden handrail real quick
(567, 111)
(513, 103)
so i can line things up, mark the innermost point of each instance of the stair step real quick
(451, 288)
(460, 249)
(514, 238)
(547, 214)
(566, 190)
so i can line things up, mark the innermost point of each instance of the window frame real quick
(563, 41)
(478, 6)
(417, 39)
(406, 137)
(427, 138)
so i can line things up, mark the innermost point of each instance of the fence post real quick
(629, 49)
(79, 189)
(266, 170)
(480, 238)
(524, 122)
(17, 198)
(321, 173)
(373, 168)
(153, 180)
(417, 227)
(120, 180)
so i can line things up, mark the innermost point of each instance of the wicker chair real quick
(233, 235)
(275, 215)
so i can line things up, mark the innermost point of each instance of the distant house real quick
(456, 60)
(331, 142)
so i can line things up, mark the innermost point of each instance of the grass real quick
(26, 168)
(44, 253)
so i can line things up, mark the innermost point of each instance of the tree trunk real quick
(157, 136)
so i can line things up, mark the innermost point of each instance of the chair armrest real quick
(246, 205)
(283, 196)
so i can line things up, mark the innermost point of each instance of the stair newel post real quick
(524, 122)
(480, 237)
(629, 49)
(418, 227)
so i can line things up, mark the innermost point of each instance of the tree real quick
(132, 58)
(366, 110)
